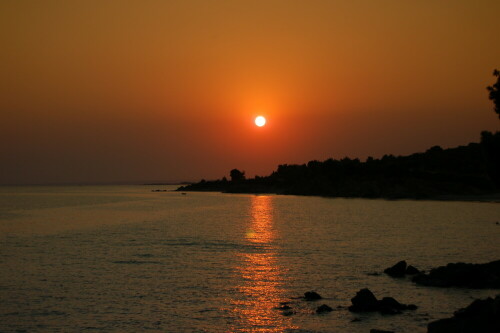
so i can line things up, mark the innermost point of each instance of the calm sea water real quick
(125, 259)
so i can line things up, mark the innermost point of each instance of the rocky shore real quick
(462, 275)
(482, 315)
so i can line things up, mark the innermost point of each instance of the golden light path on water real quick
(262, 275)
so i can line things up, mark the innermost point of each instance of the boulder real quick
(323, 309)
(480, 316)
(364, 301)
(398, 270)
(312, 296)
(391, 303)
(411, 270)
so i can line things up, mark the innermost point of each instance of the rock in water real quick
(411, 270)
(389, 302)
(323, 308)
(411, 307)
(398, 270)
(480, 316)
(312, 296)
(284, 307)
(462, 275)
(364, 301)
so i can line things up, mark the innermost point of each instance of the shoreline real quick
(483, 198)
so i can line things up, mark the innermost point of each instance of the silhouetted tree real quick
(495, 92)
(237, 175)
(491, 147)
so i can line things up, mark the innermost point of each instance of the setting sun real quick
(260, 121)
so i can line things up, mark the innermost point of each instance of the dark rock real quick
(312, 296)
(480, 307)
(426, 280)
(373, 273)
(284, 307)
(373, 330)
(364, 301)
(411, 307)
(389, 311)
(398, 270)
(288, 313)
(462, 275)
(480, 316)
(323, 308)
(391, 303)
(355, 320)
(411, 270)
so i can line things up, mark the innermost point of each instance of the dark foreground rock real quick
(462, 275)
(480, 316)
(373, 330)
(312, 296)
(365, 301)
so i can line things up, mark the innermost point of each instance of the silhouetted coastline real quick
(462, 275)
(469, 172)
(482, 315)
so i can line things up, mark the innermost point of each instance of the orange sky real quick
(127, 91)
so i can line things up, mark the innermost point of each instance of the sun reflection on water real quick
(262, 287)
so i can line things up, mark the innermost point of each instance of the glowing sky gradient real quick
(139, 91)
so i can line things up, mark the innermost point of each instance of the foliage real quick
(495, 92)
(490, 142)
(237, 175)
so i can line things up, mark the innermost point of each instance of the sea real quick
(130, 259)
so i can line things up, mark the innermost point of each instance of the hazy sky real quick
(118, 91)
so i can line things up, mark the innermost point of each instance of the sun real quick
(260, 121)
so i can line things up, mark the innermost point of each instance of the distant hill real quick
(466, 170)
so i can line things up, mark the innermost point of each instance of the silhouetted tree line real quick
(465, 170)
